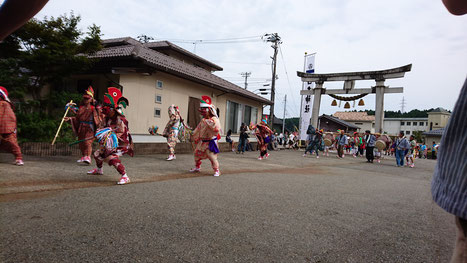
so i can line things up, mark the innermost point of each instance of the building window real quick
(426, 123)
(254, 114)
(232, 113)
(247, 115)
(436, 124)
(414, 123)
(408, 123)
(159, 84)
(407, 132)
(359, 123)
(421, 123)
(158, 98)
(402, 123)
(157, 112)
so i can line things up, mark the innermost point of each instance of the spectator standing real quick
(413, 144)
(341, 142)
(433, 150)
(401, 146)
(243, 138)
(370, 141)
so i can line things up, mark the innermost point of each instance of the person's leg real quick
(244, 145)
(10, 143)
(402, 155)
(371, 154)
(99, 163)
(398, 161)
(460, 249)
(214, 163)
(171, 142)
(197, 164)
(316, 148)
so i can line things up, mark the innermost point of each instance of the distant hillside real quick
(399, 114)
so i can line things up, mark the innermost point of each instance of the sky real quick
(354, 35)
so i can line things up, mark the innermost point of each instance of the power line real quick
(239, 62)
(287, 75)
(215, 41)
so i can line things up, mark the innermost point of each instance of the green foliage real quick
(45, 53)
(418, 136)
(38, 120)
(398, 114)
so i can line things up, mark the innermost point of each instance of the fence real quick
(63, 149)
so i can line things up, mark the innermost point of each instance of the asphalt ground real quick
(287, 208)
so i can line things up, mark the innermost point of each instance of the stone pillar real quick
(379, 105)
(316, 103)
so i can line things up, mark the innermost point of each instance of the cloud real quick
(354, 35)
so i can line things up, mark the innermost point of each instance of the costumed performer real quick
(206, 136)
(115, 140)
(171, 130)
(263, 135)
(8, 138)
(85, 124)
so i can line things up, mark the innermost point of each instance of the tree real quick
(46, 53)
(39, 54)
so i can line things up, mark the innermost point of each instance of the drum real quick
(328, 138)
(383, 142)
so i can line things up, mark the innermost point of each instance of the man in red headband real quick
(206, 135)
(85, 124)
(8, 139)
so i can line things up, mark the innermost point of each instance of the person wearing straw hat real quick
(206, 136)
(85, 124)
(8, 138)
(115, 139)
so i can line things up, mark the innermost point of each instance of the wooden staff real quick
(61, 123)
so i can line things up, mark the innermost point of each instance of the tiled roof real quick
(353, 116)
(167, 44)
(341, 122)
(438, 132)
(128, 47)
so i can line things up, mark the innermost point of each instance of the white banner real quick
(307, 100)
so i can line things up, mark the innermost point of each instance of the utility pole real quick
(276, 39)
(246, 75)
(283, 119)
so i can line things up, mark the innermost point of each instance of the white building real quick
(393, 126)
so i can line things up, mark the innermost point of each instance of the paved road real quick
(284, 209)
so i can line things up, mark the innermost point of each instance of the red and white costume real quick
(85, 124)
(115, 120)
(8, 138)
(206, 136)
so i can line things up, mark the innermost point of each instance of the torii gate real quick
(349, 79)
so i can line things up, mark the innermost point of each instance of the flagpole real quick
(301, 98)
